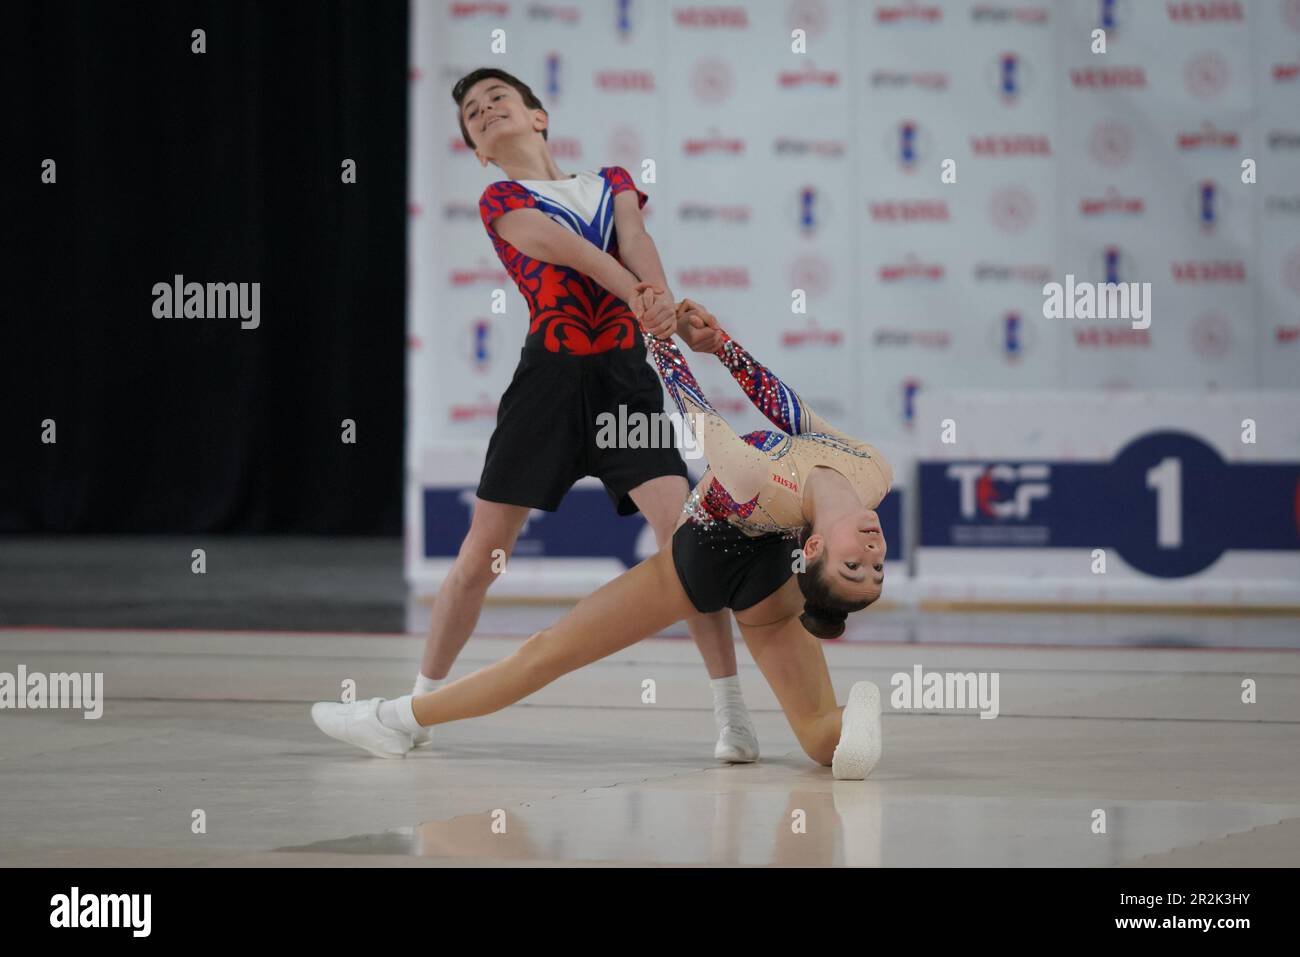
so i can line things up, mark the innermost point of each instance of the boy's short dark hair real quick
(466, 83)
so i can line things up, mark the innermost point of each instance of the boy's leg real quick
(660, 501)
(459, 601)
(533, 456)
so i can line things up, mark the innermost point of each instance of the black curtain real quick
(222, 167)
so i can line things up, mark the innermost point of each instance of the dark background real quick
(223, 167)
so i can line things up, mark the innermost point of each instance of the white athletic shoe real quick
(859, 747)
(423, 738)
(737, 743)
(358, 723)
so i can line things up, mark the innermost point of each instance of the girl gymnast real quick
(781, 529)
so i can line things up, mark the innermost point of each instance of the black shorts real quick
(545, 437)
(721, 567)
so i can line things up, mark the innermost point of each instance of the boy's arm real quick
(539, 237)
(635, 246)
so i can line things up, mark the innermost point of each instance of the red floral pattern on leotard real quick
(568, 312)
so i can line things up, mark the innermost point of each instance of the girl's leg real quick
(793, 664)
(636, 605)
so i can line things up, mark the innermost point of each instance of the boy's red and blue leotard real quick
(569, 313)
(583, 354)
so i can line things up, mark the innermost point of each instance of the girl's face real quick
(854, 549)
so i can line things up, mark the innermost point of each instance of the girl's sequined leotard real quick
(756, 481)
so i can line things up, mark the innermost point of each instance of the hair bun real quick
(823, 622)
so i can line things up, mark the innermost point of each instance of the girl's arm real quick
(777, 401)
(783, 406)
(740, 468)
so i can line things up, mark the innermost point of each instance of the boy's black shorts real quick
(545, 437)
(720, 566)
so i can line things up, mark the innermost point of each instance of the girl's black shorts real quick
(721, 567)
(547, 426)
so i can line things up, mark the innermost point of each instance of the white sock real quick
(398, 715)
(728, 703)
(424, 685)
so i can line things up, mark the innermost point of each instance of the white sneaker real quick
(423, 738)
(737, 743)
(358, 723)
(859, 747)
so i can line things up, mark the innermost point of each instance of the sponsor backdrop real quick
(770, 171)
(1111, 498)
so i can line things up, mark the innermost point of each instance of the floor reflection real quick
(843, 824)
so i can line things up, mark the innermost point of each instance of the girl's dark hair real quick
(466, 82)
(824, 612)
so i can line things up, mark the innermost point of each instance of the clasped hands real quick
(654, 309)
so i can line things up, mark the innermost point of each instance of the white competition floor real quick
(584, 773)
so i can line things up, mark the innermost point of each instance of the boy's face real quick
(494, 112)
